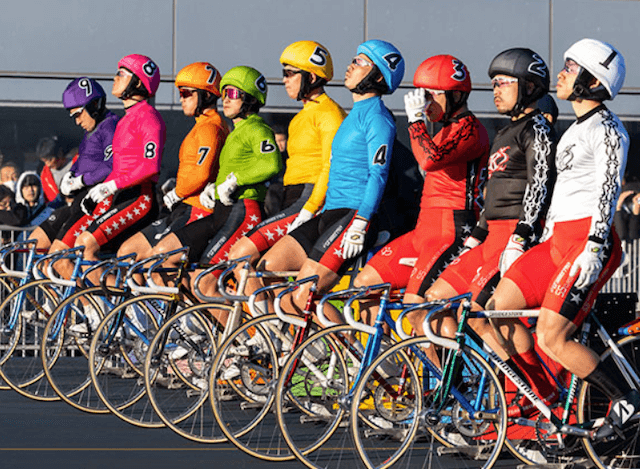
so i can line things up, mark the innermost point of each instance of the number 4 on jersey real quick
(380, 156)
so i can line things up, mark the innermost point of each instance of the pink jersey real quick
(137, 146)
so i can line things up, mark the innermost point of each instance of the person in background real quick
(9, 173)
(56, 165)
(549, 108)
(627, 217)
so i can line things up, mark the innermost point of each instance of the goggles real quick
(432, 93)
(123, 73)
(75, 114)
(360, 62)
(571, 67)
(232, 93)
(288, 73)
(502, 82)
(186, 93)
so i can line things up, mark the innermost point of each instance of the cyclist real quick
(248, 159)
(455, 162)
(521, 173)
(85, 99)
(307, 67)
(580, 251)
(361, 153)
(125, 202)
(199, 87)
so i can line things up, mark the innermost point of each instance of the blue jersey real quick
(360, 158)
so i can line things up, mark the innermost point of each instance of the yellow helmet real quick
(309, 56)
(200, 75)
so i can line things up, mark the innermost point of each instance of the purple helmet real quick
(145, 69)
(81, 92)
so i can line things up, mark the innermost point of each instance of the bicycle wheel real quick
(243, 378)
(177, 372)
(390, 425)
(22, 369)
(313, 398)
(620, 451)
(65, 348)
(10, 326)
(117, 353)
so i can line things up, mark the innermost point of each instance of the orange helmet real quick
(201, 76)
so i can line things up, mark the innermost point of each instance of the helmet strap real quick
(371, 83)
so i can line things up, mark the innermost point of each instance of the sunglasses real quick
(232, 93)
(360, 62)
(123, 73)
(501, 82)
(571, 67)
(74, 115)
(185, 93)
(287, 73)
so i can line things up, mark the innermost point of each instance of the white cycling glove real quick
(101, 191)
(208, 196)
(70, 183)
(227, 188)
(171, 198)
(469, 244)
(303, 217)
(589, 263)
(414, 105)
(353, 241)
(513, 250)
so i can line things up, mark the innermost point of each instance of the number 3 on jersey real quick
(381, 156)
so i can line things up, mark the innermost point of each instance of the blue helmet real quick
(387, 58)
(81, 92)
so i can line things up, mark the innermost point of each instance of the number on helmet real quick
(538, 67)
(212, 74)
(261, 83)
(319, 57)
(392, 59)
(85, 84)
(461, 71)
(149, 68)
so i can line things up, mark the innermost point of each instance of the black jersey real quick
(521, 174)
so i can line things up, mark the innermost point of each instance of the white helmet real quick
(603, 61)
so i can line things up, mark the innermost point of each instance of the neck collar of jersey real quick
(458, 117)
(586, 116)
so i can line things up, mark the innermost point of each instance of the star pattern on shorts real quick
(280, 231)
(254, 218)
(270, 236)
(576, 298)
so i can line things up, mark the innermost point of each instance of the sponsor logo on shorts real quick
(339, 229)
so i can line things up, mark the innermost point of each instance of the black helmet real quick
(525, 65)
(548, 106)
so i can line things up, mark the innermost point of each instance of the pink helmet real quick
(145, 69)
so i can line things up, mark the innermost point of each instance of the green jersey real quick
(250, 152)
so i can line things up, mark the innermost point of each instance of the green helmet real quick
(248, 80)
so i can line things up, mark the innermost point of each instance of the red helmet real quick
(443, 72)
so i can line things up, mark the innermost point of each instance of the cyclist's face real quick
(505, 93)
(292, 82)
(231, 107)
(436, 106)
(189, 103)
(357, 70)
(567, 79)
(121, 81)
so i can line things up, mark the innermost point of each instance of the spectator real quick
(28, 203)
(56, 164)
(9, 173)
(627, 217)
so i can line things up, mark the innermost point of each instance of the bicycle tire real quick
(406, 435)
(117, 354)
(313, 408)
(243, 398)
(65, 352)
(22, 370)
(618, 452)
(8, 335)
(178, 386)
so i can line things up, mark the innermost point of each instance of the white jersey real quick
(590, 161)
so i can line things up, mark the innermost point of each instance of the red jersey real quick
(455, 161)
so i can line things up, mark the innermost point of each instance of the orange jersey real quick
(199, 154)
(311, 133)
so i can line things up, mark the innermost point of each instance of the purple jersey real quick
(94, 154)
